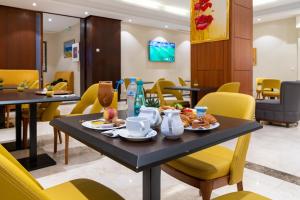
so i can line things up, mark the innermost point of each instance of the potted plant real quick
(21, 87)
(50, 91)
(152, 102)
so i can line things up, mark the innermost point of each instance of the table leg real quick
(194, 98)
(35, 161)
(151, 183)
(2, 116)
(18, 127)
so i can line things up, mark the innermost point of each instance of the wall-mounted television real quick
(161, 51)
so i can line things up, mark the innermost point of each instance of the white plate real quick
(212, 127)
(124, 133)
(90, 125)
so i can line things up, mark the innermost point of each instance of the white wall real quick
(56, 60)
(135, 60)
(276, 44)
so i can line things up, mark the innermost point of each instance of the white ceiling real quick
(58, 23)
(142, 14)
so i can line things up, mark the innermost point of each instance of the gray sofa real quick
(286, 110)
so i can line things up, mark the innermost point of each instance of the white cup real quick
(138, 126)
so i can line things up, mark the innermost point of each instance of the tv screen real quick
(161, 51)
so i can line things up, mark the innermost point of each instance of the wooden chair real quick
(217, 166)
(17, 183)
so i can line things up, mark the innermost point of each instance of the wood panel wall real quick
(103, 34)
(216, 63)
(17, 38)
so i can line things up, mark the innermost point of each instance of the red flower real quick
(203, 21)
(203, 5)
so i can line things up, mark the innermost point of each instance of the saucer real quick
(99, 125)
(124, 133)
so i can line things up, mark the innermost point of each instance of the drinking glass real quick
(105, 93)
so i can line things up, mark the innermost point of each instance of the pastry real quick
(185, 120)
(211, 119)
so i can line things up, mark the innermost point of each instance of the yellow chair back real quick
(161, 85)
(268, 84)
(87, 99)
(233, 87)
(182, 82)
(34, 84)
(60, 86)
(127, 81)
(237, 106)
(16, 182)
(15, 77)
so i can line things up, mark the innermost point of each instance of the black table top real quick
(195, 89)
(143, 155)
(13, 97)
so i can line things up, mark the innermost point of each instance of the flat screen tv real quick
(161, 51)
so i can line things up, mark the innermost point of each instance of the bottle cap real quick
(139, 82)
(132, 79)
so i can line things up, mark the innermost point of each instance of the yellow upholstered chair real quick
(34, 84)
(161, 91)
(15, 77)
(17, 183)
(46, 112)
(217, 166)
(242, 196)
(271, 88)
(233, 87)
(182, 82)
(89, 98)
(127, 81)
(153, 90)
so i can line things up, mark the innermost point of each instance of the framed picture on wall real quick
(75, 52)
(45, 56)
(68, 48)
(209, 20)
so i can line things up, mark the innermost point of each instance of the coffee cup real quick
(138, 126)
(201, 111)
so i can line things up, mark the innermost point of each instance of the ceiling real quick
(173, 14)
(58, 23)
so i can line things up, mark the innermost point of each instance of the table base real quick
(11, 146)
(151, 183)
(42, 161)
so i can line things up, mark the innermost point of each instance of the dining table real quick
(195, 92)
(30, 97)
(147, 156)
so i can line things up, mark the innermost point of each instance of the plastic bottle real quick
(131, 94)
(140, 98)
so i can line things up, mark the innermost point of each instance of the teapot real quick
(172, 126)
(152, 114)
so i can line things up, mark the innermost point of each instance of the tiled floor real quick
(274, 147)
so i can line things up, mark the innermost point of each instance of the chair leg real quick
(206, 189)
(59, 136)
(7, 116)
(66, 149)
(287, 125)
(55, 139)
(25, 132)
(240, 186)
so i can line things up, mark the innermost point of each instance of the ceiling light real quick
(86, 13)
(34, 4)
(262, 2)
(130, 20)
(50, 20)
(258, 19)
(176, 10)
(166, 26)
(145, 3)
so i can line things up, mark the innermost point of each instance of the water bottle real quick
(139, 98)
(131, 94)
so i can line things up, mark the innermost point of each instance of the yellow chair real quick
(89, 98)
(17, 183)
(242, 196)
(217, 166)
(271, 88)
(182, 82)
(153, 90)
(259, 82)
(233, 87)
(161, 91)
(46, 112)
(127, 81)
(15, 77)
(34, 84)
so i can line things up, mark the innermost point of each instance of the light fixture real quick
(130, 20)
(262, 2)
(176, 10)
(145, 3)
(258, 19)
(166, 26)
(34, 4)
(49, 19)
(86, 13)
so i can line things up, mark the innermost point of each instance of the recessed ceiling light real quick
(145, 3)
(258, 19)
(176, 10)
(262, 2)
(166, 26)
(86, 13)
(130, 20)
(34, 4)
(50, 20)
